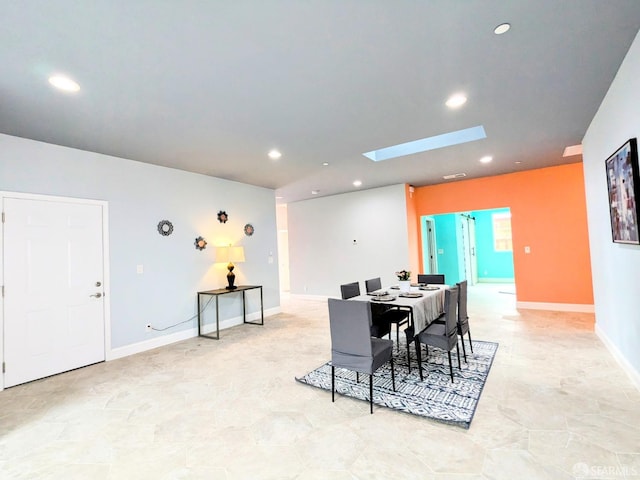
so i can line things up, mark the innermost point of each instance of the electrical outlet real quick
(148, 327)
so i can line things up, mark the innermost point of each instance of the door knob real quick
(98, 284)
(97, 295)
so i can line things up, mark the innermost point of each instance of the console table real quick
(223, 291)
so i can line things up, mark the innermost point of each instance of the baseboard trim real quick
(164, 340)
(506, 281)
(632, 373)
(558, 307)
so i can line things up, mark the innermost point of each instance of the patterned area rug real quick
(435, 397)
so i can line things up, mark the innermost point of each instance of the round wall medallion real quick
(248, 229)
(165, 228)
(200, 243)
(222, 216)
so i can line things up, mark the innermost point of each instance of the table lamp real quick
(230, 254)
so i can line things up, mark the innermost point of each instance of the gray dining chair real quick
(350, 290)
(373, 284)
(387, 313)
(431, 278)
(379, 326)
(463, 317)
(352, 346)
(442, 335)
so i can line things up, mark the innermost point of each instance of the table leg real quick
(200, 326)
(261, 322)
(199, 321)
(217, 320)
(262, 311)
(244, 307)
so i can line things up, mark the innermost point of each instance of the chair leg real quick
(419, 354)
(408, 332)
(393, 376)
(464, 350)
(450, 366)
(333, 383)
(470, 344)
(458, 352)
(357, 377)
(371, 393)
(397, 337)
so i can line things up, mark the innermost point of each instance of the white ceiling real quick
(212, 86)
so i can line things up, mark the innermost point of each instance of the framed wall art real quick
(623, 181)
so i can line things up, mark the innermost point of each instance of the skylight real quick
(429, 143)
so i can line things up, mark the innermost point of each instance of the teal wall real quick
(492, 265)
(447, 246)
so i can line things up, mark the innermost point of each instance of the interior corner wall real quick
(139, 196)
(548, 214)
(347, 238)
(616, 267)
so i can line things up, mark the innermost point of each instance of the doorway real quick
(54, 260)
(474, 246)
(429, 252)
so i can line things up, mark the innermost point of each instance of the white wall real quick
(283, 247)
(322, 252)
(616, 267)
(139, 196)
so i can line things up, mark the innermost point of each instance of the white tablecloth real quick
(424, 310)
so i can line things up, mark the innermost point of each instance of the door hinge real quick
(2, 217)
(3, 367)
(2, 291)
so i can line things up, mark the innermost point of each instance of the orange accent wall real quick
(548, 214)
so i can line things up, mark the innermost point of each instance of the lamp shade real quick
(236, 254)
(222, 254)
(229, 254)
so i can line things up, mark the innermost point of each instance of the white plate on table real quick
(410, 295)
(384, 298)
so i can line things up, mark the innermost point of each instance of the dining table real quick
(425, 303)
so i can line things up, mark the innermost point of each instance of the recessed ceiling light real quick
(518, 162)
(357, 183)
(486, 159)
(279, 198)
(325, 164)
(315, 192)
(502, 28)
(456, 100)
(64, 83)
(274, 154)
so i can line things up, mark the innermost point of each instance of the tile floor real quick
(556, 406)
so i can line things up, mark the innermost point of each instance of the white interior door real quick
(429, 259)
(472, 252)
(54, 296)
(464, 248)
